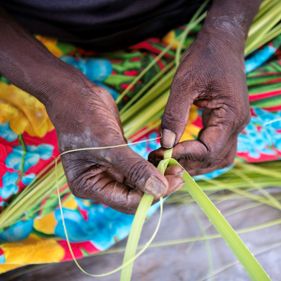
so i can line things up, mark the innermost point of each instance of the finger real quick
(209, 147)
(194, 167)
(190, 150)
(176, 112)
(221, 165)
(139, 173)
(220, 127)
(193, 155)
(228, 161)
(174, 170)
(175, 183)
(104, 189)
(200, 167)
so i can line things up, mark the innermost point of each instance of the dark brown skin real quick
(211, 75)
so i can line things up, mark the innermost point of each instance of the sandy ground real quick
(186, 261)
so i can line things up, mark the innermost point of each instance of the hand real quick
(116, 177)
(211, 76)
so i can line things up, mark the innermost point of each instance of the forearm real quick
(30, 66)
(231, 20)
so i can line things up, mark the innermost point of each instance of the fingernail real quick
(155, 186)
(168, 138)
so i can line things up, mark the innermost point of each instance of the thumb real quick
(140, 173)
(175, 115)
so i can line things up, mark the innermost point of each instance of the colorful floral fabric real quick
(28, 143)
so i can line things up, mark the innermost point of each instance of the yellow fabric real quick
(45, 224)
(50, 44)
(33, 250)
(24, 112)
(191, 130)
(6, 267)
(170, 38)
(70, 204)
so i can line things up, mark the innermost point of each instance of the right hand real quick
(116, 177)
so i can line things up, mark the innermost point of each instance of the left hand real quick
(211, 76)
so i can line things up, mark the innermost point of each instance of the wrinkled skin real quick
(116, 177)
(211, 76)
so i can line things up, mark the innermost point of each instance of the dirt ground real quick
(186, 261)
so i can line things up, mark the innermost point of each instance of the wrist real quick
(65, 99)
(56, 83)
(232, 39)
(229, 21)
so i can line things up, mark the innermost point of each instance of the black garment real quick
(101, 24)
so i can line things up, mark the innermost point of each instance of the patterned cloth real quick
(28, 143)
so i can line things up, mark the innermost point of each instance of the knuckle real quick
(138, 171)
(198, 157)
(197, 153)
(85, 185)
(78, 186)
(207, 151)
